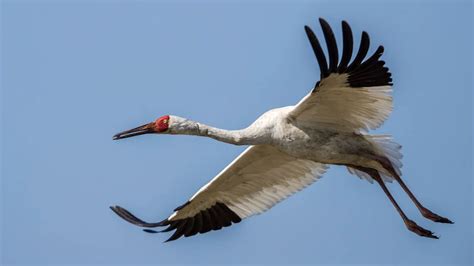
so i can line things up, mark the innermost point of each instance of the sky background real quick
(75, 73)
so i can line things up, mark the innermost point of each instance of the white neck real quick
(248, 136)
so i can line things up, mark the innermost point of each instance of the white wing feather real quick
(254, 182)
(334, 104)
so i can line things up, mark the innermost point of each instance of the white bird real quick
(291, 147)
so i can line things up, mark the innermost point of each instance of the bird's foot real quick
(412, 226)
(434, 217)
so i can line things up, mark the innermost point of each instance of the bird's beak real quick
(144, 129)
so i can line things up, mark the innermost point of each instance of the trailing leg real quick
(424, 211)
(411, 225)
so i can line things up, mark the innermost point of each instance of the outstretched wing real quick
(350, 96)
(255, 181)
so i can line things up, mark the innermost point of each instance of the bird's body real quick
(275, 128)
(291, 147)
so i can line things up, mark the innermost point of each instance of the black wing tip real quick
(168, 240)
(331, 45)
(347, 46)
(309, 32)
(371, 72)
(129, 217)
(362, 72)
(213, 218)
(218, 216)
(318, 51)
(150, 231)
(365, 35)
(346, 28)
(380, 49)
(323, 21)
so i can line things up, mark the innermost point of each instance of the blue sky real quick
(75, 73)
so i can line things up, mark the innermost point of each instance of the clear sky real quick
(75, 73)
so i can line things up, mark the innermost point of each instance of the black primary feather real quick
(331, 45)
(361, 73)
(348, 43)
(318, 52)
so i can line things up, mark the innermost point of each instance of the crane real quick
(291, 147)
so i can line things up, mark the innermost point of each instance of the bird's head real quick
(160, 125)
(167, 124)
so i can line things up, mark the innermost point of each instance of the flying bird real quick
(291, 147)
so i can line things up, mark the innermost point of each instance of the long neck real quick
(236, 137)
(247, 136)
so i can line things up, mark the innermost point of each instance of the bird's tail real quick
(390, 157)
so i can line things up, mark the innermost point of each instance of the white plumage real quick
(291, 147)
(342, 108)
(255, 181)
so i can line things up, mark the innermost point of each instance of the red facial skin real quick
(161, 124)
